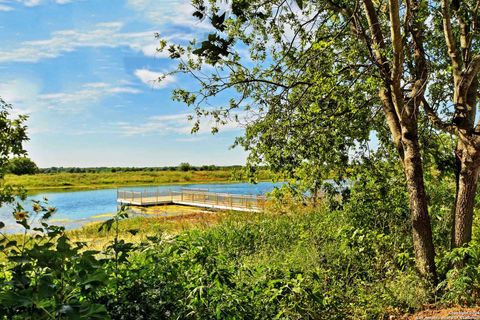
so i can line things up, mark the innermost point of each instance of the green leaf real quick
(107, 225)
(133, 232)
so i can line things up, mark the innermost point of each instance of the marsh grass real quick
(152, 223)
(52, 181)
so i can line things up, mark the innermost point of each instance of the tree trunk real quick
(468, 157)
(465, 197)
(458, 166)
(421, 227)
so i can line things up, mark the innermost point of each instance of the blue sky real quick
(83, 71)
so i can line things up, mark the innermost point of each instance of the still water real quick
(75, 208)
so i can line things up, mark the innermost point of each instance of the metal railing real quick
(194, 197)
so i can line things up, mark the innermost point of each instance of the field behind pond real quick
(119, 179)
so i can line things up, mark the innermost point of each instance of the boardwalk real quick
(193, 197)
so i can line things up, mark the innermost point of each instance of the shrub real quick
(184, 166)
(22, 165)
(46, 276)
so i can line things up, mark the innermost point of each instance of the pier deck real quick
(193, 198)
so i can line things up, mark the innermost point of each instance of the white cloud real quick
(177, 12)
(101, 35)
(162, 125)
(176, 124)
(29, 3)
(76, 101)
(5, 8)
(26, 96)
(168, 15)
(21, 93)
(151, 78)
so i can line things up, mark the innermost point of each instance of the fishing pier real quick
(192, 197)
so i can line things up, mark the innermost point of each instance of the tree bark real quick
(458, 166)
(402, 121)
(468, 159)
(465, 197)
(421, 226)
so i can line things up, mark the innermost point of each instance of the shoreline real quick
(69, 182)
(34, 191)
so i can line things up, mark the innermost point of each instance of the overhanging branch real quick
(472, 71)
(435, 119)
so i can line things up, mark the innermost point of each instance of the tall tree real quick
(461, 38)
(12, 136)
(322, 75)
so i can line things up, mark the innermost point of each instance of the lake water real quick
(75, 208)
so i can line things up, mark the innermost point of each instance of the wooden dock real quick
(194, 198)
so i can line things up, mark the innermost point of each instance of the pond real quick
(75, 208)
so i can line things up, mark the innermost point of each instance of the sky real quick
(84, 72)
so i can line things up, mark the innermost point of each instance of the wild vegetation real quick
(126, 178)
(22, 165)
(322, 81)
(314, 80)
(338, 260)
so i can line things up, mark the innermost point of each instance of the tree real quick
(22, 165)
(12, 135)
(184, 166)
(322, 75)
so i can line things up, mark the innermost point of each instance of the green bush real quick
(184, 166)
(45, 276)
(22, 165)
(461, 285)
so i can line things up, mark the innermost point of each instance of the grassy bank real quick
(119, 179)
(151, 224)
(294, 263)
(302, 265)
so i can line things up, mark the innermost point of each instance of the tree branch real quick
(397, 45)
(470, 73)
(377, 37)
(416, 30)
(435, 119)
(450, 41)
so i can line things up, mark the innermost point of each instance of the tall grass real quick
(302, 265)
(118, 179)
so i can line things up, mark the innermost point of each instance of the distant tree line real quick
(182, 167)
(24, 165)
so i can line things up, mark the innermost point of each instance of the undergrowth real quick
(301, 262)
